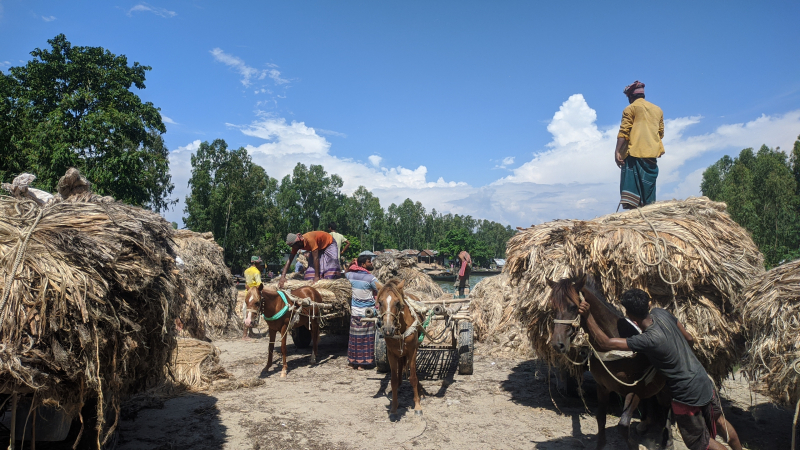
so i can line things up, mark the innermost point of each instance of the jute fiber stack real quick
(492, 312)
(194, 364)
(207, 284)
(88, 297)
(337, 292)
(407, 269)
(770, 308)
(707, 256)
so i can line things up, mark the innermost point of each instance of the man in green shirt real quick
(638, 146)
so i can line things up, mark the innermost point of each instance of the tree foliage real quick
(761, 190)
(73, 106)
(235, 199)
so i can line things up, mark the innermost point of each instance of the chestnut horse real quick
(279, 312)
(628, 377)
(401, 326)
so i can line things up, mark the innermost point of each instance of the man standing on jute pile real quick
(667, 345)
(638, 146)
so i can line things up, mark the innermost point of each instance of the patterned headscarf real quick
(637, 87)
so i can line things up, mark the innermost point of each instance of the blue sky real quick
(502, 110)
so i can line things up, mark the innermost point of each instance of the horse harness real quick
(294, 309)
(576, 324)
(414, 327)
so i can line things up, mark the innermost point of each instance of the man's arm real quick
(622, 146)
(686, 335)
(604, 343)
(346, 246)
(285, 268)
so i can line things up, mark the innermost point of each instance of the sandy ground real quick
(506, 404)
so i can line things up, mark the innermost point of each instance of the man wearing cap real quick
(638, 146)
(323, 255)
(252, 278)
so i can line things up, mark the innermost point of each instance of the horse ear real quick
(550, 283)
(580, 282)
(401, 284)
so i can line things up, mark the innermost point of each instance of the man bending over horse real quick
(323, 255)
(667, 344)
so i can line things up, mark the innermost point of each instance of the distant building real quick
(427, 256)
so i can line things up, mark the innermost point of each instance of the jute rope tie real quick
(660, 245)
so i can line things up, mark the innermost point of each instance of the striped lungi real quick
(637, 184)
(361, 346)
(328, 263)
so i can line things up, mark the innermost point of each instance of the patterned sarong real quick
(361, 346)
(328, 263)
(637, 185)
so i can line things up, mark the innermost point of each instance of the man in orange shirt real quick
(638, 146)
(323, 255)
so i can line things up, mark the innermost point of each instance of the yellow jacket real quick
(252, 277)
(643, 127)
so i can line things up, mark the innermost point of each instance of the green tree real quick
(73, 106)
(306, 195)
(762, 195)
(235, 199)
(459, 239)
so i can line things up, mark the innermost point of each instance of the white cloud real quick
(144, 7)
(330, 133)
(247, 72)
(5, 63)
(180, 167)
(276, 76)
(166, 119)
(48, 18)
(574, 176)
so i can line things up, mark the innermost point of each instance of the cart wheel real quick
(465, 348)
(381, 355)
(301, 337)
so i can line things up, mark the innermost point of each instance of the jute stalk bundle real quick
(336, 292)
(209, 309)
(699, 248)
(407, 269)
(492, 312)
(87, 301)
(194, 364)
(770, 308)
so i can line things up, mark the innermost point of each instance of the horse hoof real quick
(283, 374)
(393, 417)
(417, 412)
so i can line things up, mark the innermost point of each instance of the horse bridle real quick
(396, 320)
(576, 322)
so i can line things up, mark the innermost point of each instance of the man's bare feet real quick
(359, 368)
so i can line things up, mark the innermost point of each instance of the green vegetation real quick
(73, 107)
(762, 190)
(251, 212)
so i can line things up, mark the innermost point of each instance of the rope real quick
(661, 257)
(17, 261)
(597, 355)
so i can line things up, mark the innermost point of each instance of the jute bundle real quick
(87, 301)
(336, 292)
(706, 254)
(492, 311)
(195, 364)
(770, 308)
(210, 304)
(388, 267)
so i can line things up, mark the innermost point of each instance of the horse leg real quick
(397, 374)
(602, 408)
(631, 402)
(412, 378)
(314, 340)
(283, 347)
(271, 347)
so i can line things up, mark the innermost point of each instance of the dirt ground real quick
(506, 404)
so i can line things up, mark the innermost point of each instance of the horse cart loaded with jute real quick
(445, 324)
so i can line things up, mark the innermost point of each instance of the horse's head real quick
(391, 306)
(252, 303)
(565, 298)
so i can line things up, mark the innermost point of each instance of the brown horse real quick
(279, 314)
(401, 326)
(611, 376)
